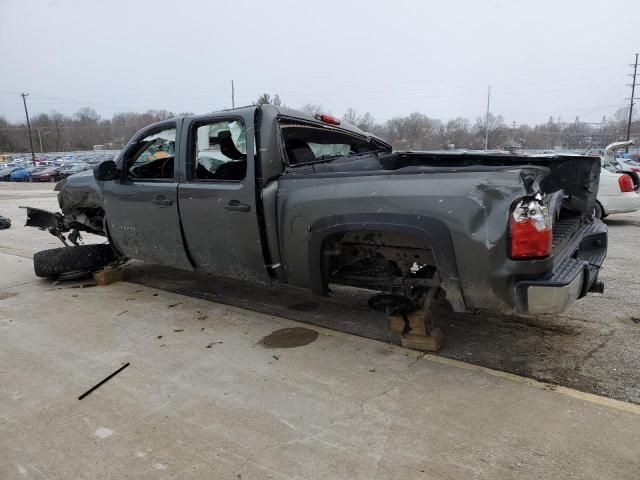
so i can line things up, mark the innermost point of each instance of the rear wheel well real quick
(378, 260)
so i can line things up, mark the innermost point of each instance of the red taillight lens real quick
(530, 229)
(626, 183)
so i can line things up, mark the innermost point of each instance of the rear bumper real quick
(572, 276)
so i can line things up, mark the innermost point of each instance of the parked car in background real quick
(619, 190)
(629, 163)
(69, 170)
(5, 173)
(20, 175)
(23, 174)
(48, 174)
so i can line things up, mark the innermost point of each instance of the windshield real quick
(305, 143)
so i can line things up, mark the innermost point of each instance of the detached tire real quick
(81, 258)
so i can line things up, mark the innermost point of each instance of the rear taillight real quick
(626, 183)
(530, 229)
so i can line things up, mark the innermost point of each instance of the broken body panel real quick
(322, 204)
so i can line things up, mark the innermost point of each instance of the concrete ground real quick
(207, 396)
(203, 398)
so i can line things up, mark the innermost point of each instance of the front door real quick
(141, 207)
(218, 200)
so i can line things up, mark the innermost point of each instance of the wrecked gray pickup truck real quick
(269, 194)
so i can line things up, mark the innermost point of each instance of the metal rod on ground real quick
(633, 93)
(103, 381)
(26, 112)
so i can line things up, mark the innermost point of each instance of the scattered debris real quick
(212, 344)
(4, 222)
(275, 357)
(122, 313)
(103, 381)
(372, 370)
(635, 320)
(103, 432)
(171, 305)
(177, 330)
(58, 282)
(201, 316)
(159, 337)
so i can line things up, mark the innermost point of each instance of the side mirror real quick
(106, 171)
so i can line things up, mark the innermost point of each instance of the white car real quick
(619, 190)
(629, 164)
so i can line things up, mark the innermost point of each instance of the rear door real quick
(142, 206)
(217, 197)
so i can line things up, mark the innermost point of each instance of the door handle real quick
(236, 206)
(161, 201)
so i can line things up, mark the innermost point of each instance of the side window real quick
(220, 151)
(152, 158)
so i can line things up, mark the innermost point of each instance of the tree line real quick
(56, 132)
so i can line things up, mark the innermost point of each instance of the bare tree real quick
(414, 131)
(496, 129)
(313, 108)
(87, 115)
(364, 122)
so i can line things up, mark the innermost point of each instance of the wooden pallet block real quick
(108, 276)
(421, 334)
(424, 343)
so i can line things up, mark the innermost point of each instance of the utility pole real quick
(633, 93)
(26, 112)
(233, 96)
(513, 134)
(486, 125)
(40, 140)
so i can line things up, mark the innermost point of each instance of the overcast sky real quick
(559, 57)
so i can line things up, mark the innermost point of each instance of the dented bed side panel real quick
(472, 206)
